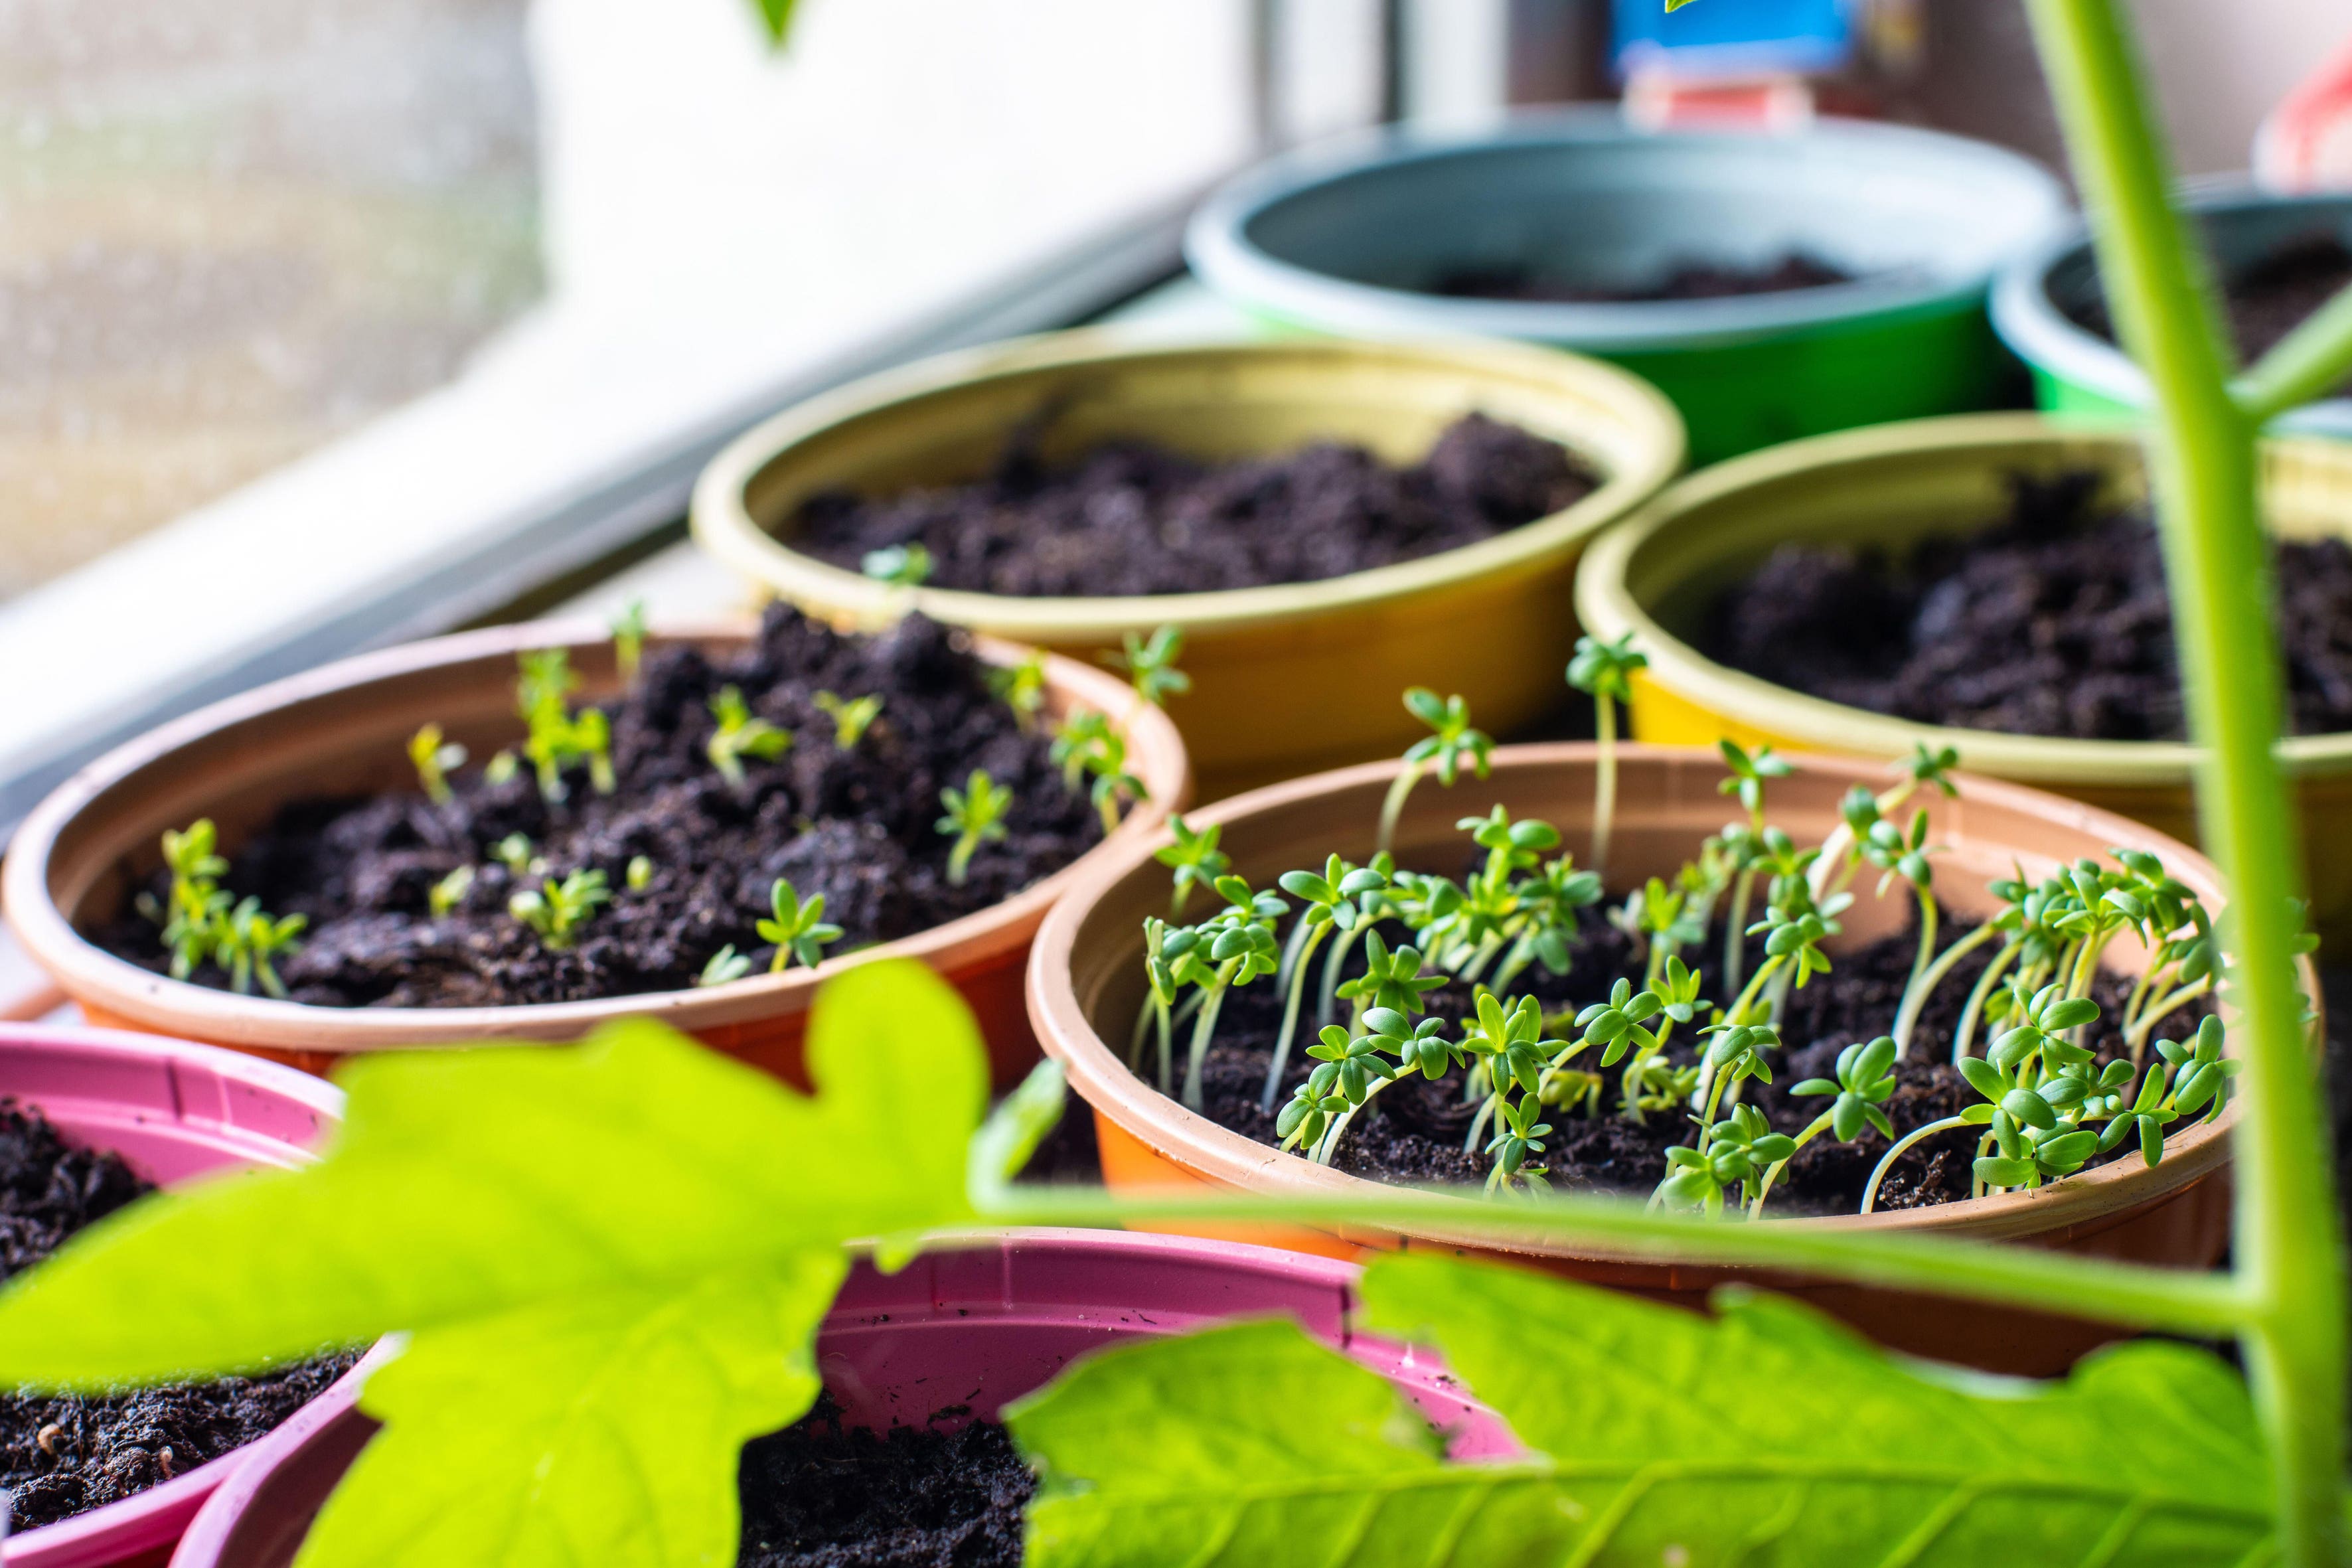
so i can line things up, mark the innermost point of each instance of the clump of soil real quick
(1414, 1131)
(2267, 298)
(2054, 622)
(1133, 518)
(1686, 280)
(60, 1456)
(820, 1495)
(857, 826)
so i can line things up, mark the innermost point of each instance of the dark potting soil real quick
(1687, 280)
(60, 1456)
(857, 826)
(1414, 1130)
(819, 1495)
(1134, 518)
(2054, 622)
(2267, 298)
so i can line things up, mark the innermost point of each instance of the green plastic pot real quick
(2076, 371)
(1658, 574)
(1342, 238)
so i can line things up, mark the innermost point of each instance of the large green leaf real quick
(612, 1259)
(1764, 1436)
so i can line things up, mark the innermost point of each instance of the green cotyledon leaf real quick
(611, 1259)
(1764, 1436)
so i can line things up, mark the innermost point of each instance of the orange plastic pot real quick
(342, 730)
(1086, 983)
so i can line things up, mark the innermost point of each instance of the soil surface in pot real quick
(2053, 622)
(2267, 298)
(820, 1495)
(857, 824)
(1134, 518)
(1414, 1130)
(1685, 280)
(65, 1455)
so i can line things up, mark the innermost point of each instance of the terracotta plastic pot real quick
(342, 730)
(1657, 578)
(1350, 236)
(980, 1326)
(1288, 677)
(173, 1110)
(1085, 984)
(2077, 371)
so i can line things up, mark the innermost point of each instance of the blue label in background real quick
(1734, 37)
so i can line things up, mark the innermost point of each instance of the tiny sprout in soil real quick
(1450, 743)
(900, 565)
(799, 929)
(557, 911)
(1150, 665)
(1604, 671)
(203, 922)
(850, 719)
(1022, 687)
(450, 891)
(975, 815)
(629, 630)
(559, 738)
(725, 966)
(435, 760)
(741, 734)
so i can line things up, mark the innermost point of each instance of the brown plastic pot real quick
(1086, 983)
(342, 730)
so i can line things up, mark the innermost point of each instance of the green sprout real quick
(900, 565)
(515, 853)
(1451, 743)
(1078, 743)
(1150, 665)
(1194, 858)
(629, 640)
(725, 967)
(740, 733)
(1604, 671)
(557, 911)
(850, 720)
(502, 766)
(1022, 687)
(975, 815)
(558, 738)
(249, 942)
(196, 904)
(449, 893)
(435, 759)
(639, 874)
(798, 931)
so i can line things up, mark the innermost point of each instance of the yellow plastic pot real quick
(1288, 680)
(1659, 573)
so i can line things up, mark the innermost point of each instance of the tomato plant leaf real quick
(468, 1185)
(1763, 1436)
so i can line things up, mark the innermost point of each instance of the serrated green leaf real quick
(469, 1184)
(609, 1434)
(1767, 1436)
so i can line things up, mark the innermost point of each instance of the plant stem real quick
(2309, 362)
(1290, 1017)
(1327, 999)
(1205, 1026)
(1814, 1130)
(1735, 940)
(1908, 1010)
(2218, 566)
(1878, 1175)
(1983, 989)
(1393, 806)
(1604, 781)
(1915, 997)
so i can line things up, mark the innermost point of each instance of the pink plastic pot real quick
(173, 1110)
(979, 1326)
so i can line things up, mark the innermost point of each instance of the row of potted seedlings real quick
(1762, 986)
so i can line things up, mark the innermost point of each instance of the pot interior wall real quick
(959, 1335)
(2236, 233)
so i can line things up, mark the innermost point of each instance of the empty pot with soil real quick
(1319, 520)
(1765, 282)
(2278, 260)
(1987, 584)
(1470, 1097)
(529, 831)
(90, 1120)
(905, 1462)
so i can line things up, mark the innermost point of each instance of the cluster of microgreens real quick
(201, 920)
(2048, 1107)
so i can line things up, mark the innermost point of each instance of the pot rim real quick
(2044, 337)
(1608, 608)
(1216, 241)
(85, 968)
(721, 523)
(1207, 1149)
(148, 1519)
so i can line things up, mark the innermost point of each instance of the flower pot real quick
(1287, 678)
(1657, 576)
(344, 730)
(988, 1323)
(1344, 239)
(1086, 983)
(173, 1110)
(2077, 371)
